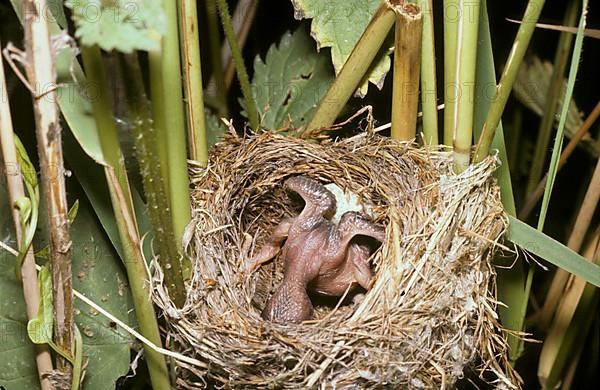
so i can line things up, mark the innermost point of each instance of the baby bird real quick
(317, 254)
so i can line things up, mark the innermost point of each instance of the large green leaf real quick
(552, 251)
(291, 81)
(123, 25)
(99, 275)
(93, 180)
(339, 24)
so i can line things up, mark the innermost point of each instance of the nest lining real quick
(430, 315)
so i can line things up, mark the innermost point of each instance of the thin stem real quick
(239, 64)
(216, 85)
(556, 150)
(41, 71)
(354, 69)
(553, 94)
(574, 315)
(535, 196)
(507, 80)
(16, 191)
(407, 55)
(244, 13)
(580, 227)
(452, 14)
(428, 77)
(122, 203)
(192, 69)
(466, 60)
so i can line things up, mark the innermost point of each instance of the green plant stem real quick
(354, 69)
(466, 60)
(41, 71)
(515, 58)
(452, 14)
(214, 44)
(192, 67)
(428, 76)
(123, 208)
(556, 150)
(407, 55)
(145, 148)
(580, 227)
(511, 279)
(243, 15)
(553, 94)
(535, 196)
(239, 64)
(169, 122)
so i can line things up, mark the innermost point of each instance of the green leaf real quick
(123, 25)
(552, 251)
(215, 128)
(93, 181)
(291, 81)
(27, 169)
(339, 24)
(72, 214)
(40, 329)
(99, 275)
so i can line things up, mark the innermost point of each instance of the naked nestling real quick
(317, 254)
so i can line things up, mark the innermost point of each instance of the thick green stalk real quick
(145, 148)
(123, 208)
(553, 94)
(466, 60)
(190, 55)
(407, 55)
(214, 45)
(239, 64)
(428, 76)
(452, 14)
(507, 80)
(167, 100)
(354, 69)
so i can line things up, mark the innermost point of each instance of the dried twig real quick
(41, 72)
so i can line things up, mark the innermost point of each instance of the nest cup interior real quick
(430, 315)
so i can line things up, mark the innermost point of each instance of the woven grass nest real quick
(430, 316)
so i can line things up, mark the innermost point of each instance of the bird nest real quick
(429, 318)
